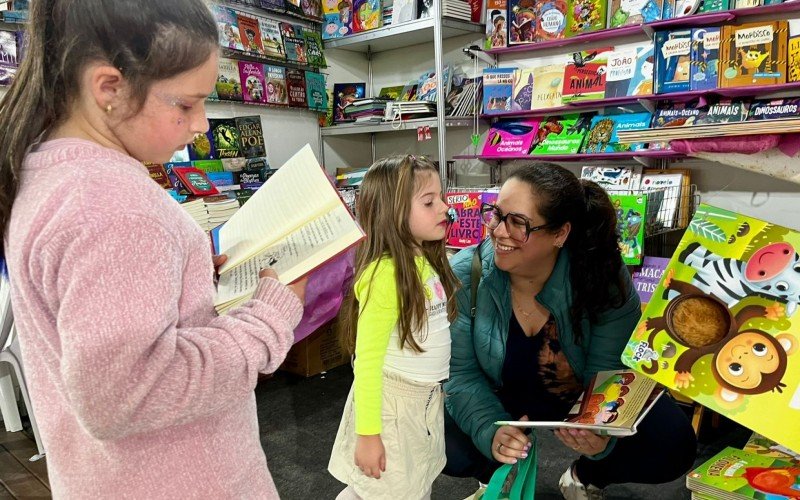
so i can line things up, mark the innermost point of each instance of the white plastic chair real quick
(10, 353)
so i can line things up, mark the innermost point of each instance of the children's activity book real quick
(613, 404)
(722, 326)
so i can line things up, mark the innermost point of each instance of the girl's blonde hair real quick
(383, 208)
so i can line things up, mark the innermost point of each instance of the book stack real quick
(457, 9)
(388, 11)
(197, 210)
(464, 97)
(220, 209)
(366, 110)
(407, 110)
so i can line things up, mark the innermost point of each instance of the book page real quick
(298, 254)
(297, 193)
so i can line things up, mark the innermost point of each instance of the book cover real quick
(226, 137)
(627, 178)
(338, 18)
(294, 43)
(675, 188)
(496, 22)
(229, 86)
(628, 12)
(195, 181)
(271, 38)
(253, 84)
(793, 52)
(366, 15)
(202, 147)
(522, 16)
(646, 277)
(613, 404)
(602, 136)
(498, 87)
(753, 54)
(642, 80)
(522, 95)
(621, 68)
(296, 86)
(403, 11)
(631, 210)
(409, 92)
(250, 33)
(343, 95)
(585, 76)
(426, 87)
(314, 52)
(315, 91)
(722, 327)
(714, 6)
(228, 27)
(774, 109)
(551, 19)
(586, 16)
(763, 447)
(704, 64)
(275, 77)
(159, 174)
(673, 58)
(561, 135)
(510, 137)
(292, 6)
(547, 84)
(311, 8)
(677, 115)
(392, 93)
(467, 230)
(251, 136)
(424, 9)
(734, 473)
(207, 166)
(725, 111)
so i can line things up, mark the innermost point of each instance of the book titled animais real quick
(293, 224)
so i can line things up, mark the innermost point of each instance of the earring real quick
(558, 244)
(109, 108)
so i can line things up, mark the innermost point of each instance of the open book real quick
(293, 224)
(612, 405)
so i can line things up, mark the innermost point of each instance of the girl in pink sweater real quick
(139, 388)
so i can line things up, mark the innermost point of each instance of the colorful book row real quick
(269, 84)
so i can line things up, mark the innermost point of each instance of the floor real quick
(299, 418)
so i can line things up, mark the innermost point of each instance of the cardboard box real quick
(319, 352)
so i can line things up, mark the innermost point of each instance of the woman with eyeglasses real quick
(555, 304)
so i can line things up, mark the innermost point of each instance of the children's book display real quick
(613, 404)
(510, 137)
(309, 225)
(722, 326)
(631, 211)
(760, 445)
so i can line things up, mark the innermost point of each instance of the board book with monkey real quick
(722, 326)
(613, 404)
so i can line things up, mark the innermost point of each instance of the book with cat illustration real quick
(722, 326)
(308, 225)
(753, 54)
(613, 404)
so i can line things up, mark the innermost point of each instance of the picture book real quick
(467, 230)
(366, 15)
(496, 24)
(685, 7)
(646, 277)
(631, 210)
(642, 80)
(343, 95)
(613, 179)
(620, 70)
(311, 8)
(673, 57)
(498, 86)
(613, 404)
(424, 9)
(296, 87)
(551, 19)
(774, 109)
(793, 52)
(228, 27)
(704, 64)
(202, 147)
(271, 38)
(521, 21)
(547, 85)
(722, 327)
(561, 135)
(250, 33)
(426, 87)
(251, 136)
(628, 12)
(208, 166)
(677, 115)
(226, 137)
(403, 11)
(393, 93)
(763, 447)
(229, 86)
(195, 181)
(294, 43)
(675, 185)
(409, 92)
(253, 84)
(522, 95)
(510, 137)
(308, 225)
(734, 473)
(724, 111)
(585, 76)
(585, 16)
(275, 77)
(314, 53)
(602, 136)
(714, 6)
(338, 20)
(315, 91)
(159, 174)
(753, 54)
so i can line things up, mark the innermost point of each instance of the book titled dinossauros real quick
(722, 326)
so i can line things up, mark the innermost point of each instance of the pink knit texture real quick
(139, 388)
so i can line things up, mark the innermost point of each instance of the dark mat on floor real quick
(299, 418)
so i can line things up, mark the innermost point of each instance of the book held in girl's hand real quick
(613, 404)
(293, 224)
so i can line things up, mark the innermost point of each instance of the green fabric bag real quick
(515, 482)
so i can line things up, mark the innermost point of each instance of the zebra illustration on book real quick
(772, 272)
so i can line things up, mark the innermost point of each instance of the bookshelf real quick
(402, 35)
(405, 125)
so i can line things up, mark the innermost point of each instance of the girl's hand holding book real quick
(370, 455)
(583, 441)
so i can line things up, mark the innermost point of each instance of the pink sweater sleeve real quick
(127, 363)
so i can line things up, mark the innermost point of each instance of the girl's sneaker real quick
(572, 489)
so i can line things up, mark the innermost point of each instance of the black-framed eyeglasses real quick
(517, 225)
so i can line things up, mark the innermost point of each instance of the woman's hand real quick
(510, 444)
(370, 455)
(582, 441)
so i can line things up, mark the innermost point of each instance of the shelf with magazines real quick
(399, 126)
(396, 36)
(271, 7)
(698, 20)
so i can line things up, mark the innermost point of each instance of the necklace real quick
(519, 308)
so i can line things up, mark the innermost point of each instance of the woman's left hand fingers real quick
(582, 441)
